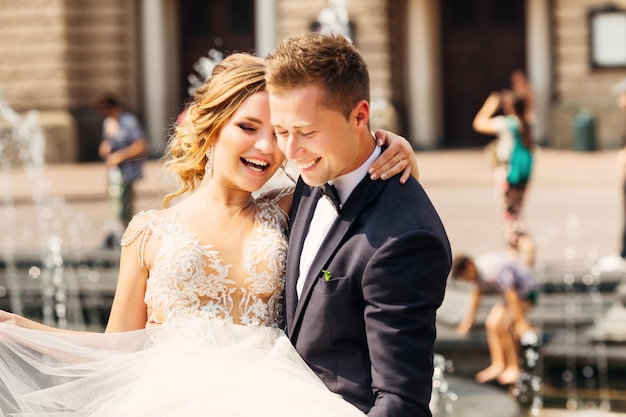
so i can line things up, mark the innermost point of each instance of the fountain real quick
(443, 397)
(574, 363)
(44, 278)
(577, 354)
(334, 20)
(204, 68)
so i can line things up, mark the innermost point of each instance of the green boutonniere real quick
(327, 275)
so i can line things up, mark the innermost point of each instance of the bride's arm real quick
(129, 311)
(17, 320)
(399, 157)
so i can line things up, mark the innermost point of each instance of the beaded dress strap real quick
(144, 232)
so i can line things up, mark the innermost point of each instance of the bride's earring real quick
(208, 168)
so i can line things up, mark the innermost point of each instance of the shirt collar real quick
(346, 183)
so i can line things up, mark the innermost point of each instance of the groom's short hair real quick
(330, 62)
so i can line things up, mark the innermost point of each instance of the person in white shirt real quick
(497, 272)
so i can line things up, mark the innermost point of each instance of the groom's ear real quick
(361, 114)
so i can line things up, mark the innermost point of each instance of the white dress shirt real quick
(325, 215)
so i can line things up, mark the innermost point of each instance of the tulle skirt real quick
(199, 368)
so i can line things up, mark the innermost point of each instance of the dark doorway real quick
(483, 42)
(225, 25)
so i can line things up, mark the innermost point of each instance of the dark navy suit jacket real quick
(369, 330)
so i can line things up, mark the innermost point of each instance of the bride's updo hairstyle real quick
(232, 81)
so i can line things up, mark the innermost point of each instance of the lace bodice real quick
(189, 279)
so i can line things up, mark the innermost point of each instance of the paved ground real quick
(573, 206)
(581, 189)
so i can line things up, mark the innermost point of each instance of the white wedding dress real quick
(216, 349)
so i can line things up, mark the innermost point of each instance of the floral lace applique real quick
(189, 279)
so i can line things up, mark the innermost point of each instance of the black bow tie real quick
(330, 192)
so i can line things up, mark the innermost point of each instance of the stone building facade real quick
(431, 61)
(577, 83)
(56, 56)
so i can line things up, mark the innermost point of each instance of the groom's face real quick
(318, 139)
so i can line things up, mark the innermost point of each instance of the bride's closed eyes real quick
(247, 127)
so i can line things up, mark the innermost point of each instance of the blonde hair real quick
(233, 80)
(330, 62)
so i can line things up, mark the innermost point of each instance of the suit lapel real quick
(302, 212)
(358, 200)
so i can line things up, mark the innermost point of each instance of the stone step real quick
(573, 324)
(557, 281)
(553, 310)
(549, 277)
(591, 375)
(96, 272)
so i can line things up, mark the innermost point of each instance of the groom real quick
(367, 268)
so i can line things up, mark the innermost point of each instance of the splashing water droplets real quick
(22, 147)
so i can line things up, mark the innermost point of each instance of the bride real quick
(194, 328)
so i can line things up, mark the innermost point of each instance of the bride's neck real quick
(218, 197)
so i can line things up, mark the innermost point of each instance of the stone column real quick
(158, 34)
(539, 67)
(266, 26)
(424, 73)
